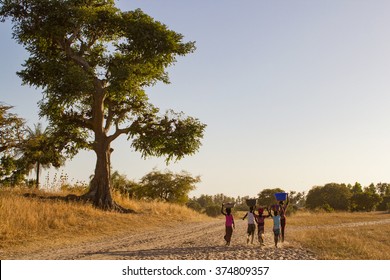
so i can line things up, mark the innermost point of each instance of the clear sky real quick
(294, 93)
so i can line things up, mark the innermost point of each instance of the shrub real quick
(194, 205)
(213, 210)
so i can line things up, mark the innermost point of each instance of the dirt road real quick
(197, 241)
(201, 240)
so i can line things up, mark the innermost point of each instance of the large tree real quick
(94, 62)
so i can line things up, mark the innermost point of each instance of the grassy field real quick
(27, 222)
(342, 236)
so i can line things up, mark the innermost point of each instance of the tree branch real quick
(109, 119)
(65, 45)
(119, 131)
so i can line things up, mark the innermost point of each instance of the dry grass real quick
(322, 218)
(321, 234)
(27, 222)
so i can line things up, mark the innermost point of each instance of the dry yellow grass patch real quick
(362, 243)
(329, 239)
(26, 222)
(322, 218)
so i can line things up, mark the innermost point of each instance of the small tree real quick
(11, 130)
(365, 201)
(11, 135)
(167, 186)
(38, 150)
(124, 186)
(94, 62)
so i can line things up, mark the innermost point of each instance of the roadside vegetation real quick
(40, 217)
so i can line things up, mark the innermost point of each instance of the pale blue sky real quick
(294, 93)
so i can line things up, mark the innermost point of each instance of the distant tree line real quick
(330, 197)
(349, 197)
(211, 204)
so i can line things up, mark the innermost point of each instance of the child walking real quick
(276, 228)
(260, 224)
(229, 224)
(251, 224)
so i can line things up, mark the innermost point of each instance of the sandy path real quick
(201, 240)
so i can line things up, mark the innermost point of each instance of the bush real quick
(384, 205)
(327, 208)
(292, 209)
(213, 210)
(194, 205)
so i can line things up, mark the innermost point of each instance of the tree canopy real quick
(11, 135)
(332, 196)
(11, 130)
(94, 64)
(167, 186)
(38, 150)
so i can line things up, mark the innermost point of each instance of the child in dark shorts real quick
(251, 224)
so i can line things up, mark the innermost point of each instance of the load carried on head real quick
(251, 202)
(228, 204)
(281, 196)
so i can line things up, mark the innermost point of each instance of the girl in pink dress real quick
(229, 224)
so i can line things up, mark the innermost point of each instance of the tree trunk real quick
(37, 173)
(100, 189)
(100, 184)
